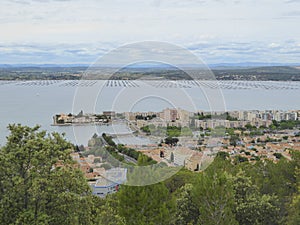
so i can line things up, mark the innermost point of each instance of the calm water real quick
(35, 102)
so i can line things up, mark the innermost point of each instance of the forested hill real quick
(280, 73)
(52, 72)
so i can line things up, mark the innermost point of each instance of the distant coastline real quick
(260, 72)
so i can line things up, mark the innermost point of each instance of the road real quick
(126, 157)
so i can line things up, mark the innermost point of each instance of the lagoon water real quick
(36, 102)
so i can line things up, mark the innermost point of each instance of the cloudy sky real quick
(218, 31)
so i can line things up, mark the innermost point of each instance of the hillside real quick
(275, 73)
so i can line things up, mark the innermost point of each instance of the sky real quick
(216, 31)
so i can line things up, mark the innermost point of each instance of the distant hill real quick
(283, 73)
(40, 73)
(245, 65)
(241, 65)
(47, 72)
(42, 65)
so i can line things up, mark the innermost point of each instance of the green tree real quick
(38, 180)
(144, 160)
(250, 206)
(106, 211)
(186, 210)
(213, 194)
(278, 155)
(234, 139)
(294, 211)
(171, 141)
(294, 207)
(146, 205)
(172, 157)
(279, 179)
(181, 178)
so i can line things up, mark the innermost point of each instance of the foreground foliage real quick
(39, 184)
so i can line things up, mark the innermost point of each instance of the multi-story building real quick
(110, 114)
(169, 115)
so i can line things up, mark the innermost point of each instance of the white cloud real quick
(292, 1)
(235, 28)
(274, 45)
(213, 52)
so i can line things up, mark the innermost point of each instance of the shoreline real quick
(81, 124)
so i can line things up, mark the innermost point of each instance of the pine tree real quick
(213, 195)
(39, 183)
(145, 205)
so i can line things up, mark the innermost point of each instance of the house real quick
(193, 162)
(103, 187)
(110, 182)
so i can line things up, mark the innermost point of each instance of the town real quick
(191, 140)
(81, 118)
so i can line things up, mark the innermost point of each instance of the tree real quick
(250, 206)
(278, 155)
(171, 141)
(279, 179)
(294, 207)
(172, 157)
(223, 155)
(233, 140)
(146, 129)
(106, 211)
(144, 160)
(39, 183)
(146, 204)
(186, 210)
(240, 159)
(213, 195)
(81, 148)
(294, 210)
